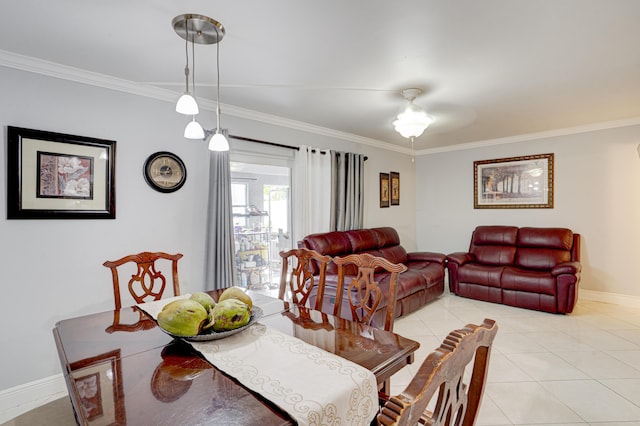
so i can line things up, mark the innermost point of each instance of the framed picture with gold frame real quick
(514, 183)
(395, 188)
(384, 190)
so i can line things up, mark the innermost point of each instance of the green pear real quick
(182, 317)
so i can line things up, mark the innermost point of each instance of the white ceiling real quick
(489, 69)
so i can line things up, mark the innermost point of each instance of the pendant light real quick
(203, 30)
(187, 104)
(218, 142)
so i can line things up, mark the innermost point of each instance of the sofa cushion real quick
(495, 235)
(394, 254)
(557, 238)
(494, 245)
(543, 248)
(433, 273)
(387, 236)
(541, 259)
(361, 240)
(330, 244)
(529, 281)
(486, 275)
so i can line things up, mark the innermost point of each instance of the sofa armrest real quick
(426, 256)
(566, 268)
(460, 258)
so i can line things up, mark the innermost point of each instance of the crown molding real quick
(533, 136)
(52, 69)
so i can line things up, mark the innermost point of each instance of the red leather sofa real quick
(533, 268)
(422, 282)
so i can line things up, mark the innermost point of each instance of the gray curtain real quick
(347, 191)
(220, 269)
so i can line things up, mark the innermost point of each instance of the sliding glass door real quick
(261, 200)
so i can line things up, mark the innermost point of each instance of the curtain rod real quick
(297, 148)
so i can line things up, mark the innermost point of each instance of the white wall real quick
(597, 194)
(52, 269)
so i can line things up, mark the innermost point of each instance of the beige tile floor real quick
(546, 369)
(577, 369)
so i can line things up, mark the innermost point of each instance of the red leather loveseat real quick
(533, 268)
(422, 282)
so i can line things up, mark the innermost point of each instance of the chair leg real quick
(385, 387)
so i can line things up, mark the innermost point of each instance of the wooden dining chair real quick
(363, 292)
(441, 379)
(148, 283)
(301, 280)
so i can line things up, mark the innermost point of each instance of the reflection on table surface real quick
(140, 375)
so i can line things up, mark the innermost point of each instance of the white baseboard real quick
(613, 298)
(20, 399)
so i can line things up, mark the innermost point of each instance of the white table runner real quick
(314, 386)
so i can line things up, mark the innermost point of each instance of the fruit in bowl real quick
(183, 317)
(228, 314)
(200, 318)
(204, 299)
(236, 293)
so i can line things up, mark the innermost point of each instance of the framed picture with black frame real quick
(384, 190)
(59, 176)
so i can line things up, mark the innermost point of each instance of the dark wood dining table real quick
(121, 368)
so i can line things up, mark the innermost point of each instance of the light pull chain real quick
(413, 152)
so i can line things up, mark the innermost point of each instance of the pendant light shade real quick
(412, 120)
(194, 130)
(187, 105)
(218, 142)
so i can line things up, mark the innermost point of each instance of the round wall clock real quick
(165, 172)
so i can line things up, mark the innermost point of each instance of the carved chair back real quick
(300, 280)
(147, 283)
(363, 292)
(441, 379)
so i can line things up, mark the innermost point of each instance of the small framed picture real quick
(395, 188)
(384, 190)
(57, 176)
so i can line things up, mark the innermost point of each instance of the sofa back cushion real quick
(362, 240)
(330, 244)
(494, 245)
(543, 248)
(389, 245)
(383, 242)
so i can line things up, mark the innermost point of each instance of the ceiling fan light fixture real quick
(412, 120)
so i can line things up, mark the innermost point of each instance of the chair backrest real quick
(363, 292)
(441, 375)
(301, 279)
(147, 282)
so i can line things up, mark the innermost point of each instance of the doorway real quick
(261, 206)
